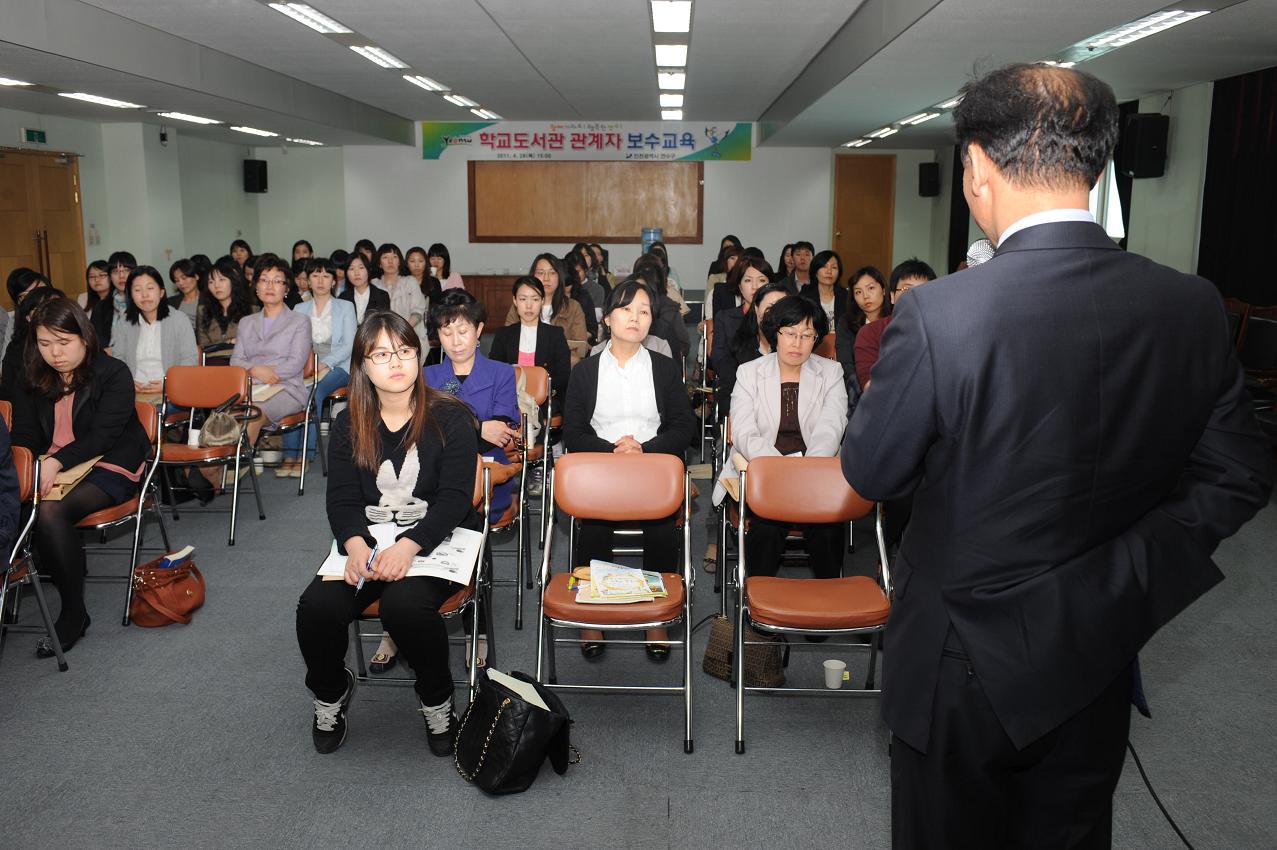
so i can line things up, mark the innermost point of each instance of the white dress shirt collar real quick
(1046, 217)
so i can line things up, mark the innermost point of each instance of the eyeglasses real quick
(403, 353)
(806, 338)
(271, 281)
(98, 275)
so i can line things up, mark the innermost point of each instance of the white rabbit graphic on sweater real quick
(397, 504)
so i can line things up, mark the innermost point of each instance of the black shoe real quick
(44, 646)
(201, 487)
(328, 731)
(441, 726)
(657, 652)
(591, 650)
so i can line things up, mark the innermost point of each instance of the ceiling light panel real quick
(882, 133)
(1143, 28)
(671, 115)
(310, 16)
(671, 15)
(949, 104)
(671, 80)
(5, 81)
(671, 100)
(253, 131)
(920, 118)
(425, 82)
(486, 113)
(309, 142)
(193, 119)
(100, 101)
(377, 56)
(458, 100)
(857, 143)
(671, 55)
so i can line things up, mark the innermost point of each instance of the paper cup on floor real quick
(834, 670)
(193, 438)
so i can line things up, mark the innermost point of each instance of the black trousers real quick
(974, 789)
(409, 611)
(765, 544)
(60, 551)
(595, 539)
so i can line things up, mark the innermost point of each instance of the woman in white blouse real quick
(332, 333)
(152, 337)
(405, 294)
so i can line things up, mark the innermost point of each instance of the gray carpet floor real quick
(198, 736)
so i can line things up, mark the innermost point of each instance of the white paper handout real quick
(453, 559)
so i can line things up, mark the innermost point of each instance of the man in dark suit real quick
(1073, 424)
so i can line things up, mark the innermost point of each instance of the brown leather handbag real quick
(165, 596)
(764, 665)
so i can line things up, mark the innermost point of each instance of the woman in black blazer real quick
(550, 346)
(826, 272)
(76, 404)
(360, 280)
(597, 418)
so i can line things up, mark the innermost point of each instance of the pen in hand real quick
(367, 568)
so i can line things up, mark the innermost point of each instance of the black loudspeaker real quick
(929, 179)
(254, 175)
(1144, 144)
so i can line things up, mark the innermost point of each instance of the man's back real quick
(1069, 382)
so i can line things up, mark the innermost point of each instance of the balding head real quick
(1044, 128)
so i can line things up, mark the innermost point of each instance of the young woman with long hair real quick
(398, 448)
(359, 289)
(153, 337)
(224, 302)
(190, 283)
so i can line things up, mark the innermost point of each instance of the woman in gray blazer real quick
(790, 402)
(152, 337)
(273, 346)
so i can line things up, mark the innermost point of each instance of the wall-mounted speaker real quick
(929, 179)
(1143, 144)
(254, 175)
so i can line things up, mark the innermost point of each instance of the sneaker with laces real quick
(329, 728)
(441, 723)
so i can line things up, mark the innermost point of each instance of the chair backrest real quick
(150, 419)
(6, 413)
(618, 487)
(203, 387)
(802, 490)
(828, 347)
(25, 466)
(536, 383)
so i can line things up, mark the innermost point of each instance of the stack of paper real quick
(614, 584)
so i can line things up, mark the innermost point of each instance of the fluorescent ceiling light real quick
(306, 142)
(101, 101)
(377, 56)
(949, 104)
(1055, 64)
(309, 16)
(671, 55)
(458, 100)
(858, 143)
(671, 115)
(486, 113)
(920, 118)
(425, 82)
(882, 133)
(671, 100)
(671, 15)
(182, 116)
(1143, 28)
(671, 80)
(5, 81)
(253, 131)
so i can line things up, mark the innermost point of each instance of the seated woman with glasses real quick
(405, 451)
(273, 346)
(332, 333)
(628, 400)
(153, 336)
(75, 405)
(788, 403)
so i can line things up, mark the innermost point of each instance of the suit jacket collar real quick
(1055, 235)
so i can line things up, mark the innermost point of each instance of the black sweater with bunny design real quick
(431, 483)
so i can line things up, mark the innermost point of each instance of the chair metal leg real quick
(687, 675)
(159, 516)
(874, 648)
(301, 481)
(138, 519)
(172, 499)
(485, 594)
(257, 491)
(359, 650)
(522, 540)
(47, 617)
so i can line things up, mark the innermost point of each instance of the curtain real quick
(1239, 201)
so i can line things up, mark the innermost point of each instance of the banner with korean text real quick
(659, 141)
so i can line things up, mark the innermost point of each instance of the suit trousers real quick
(974, 790)
(409, 611)
(765, 546)
(595, 540)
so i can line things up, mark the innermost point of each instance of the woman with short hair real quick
(558, 308)
(360, 290)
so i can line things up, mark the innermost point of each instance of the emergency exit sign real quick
(34, 137)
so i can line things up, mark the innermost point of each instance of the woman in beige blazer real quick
(790, 402)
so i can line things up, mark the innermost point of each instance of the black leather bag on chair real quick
(503, 739)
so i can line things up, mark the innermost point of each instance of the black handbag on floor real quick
(503, 738)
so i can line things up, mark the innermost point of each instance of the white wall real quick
(215, 207)
(1166, 211)
(305, 199)
(163, 197)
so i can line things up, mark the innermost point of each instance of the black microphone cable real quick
(1157, 799)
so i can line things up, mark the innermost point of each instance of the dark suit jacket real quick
(9, 504)
(812, 291)
(378, 299)
(552, 354)
(103, 418)
(1072, 421)
(678, 425)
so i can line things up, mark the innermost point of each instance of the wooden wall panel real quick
(588, 201)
